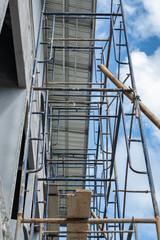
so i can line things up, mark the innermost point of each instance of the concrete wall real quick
(5, 232)
(3, 8)
(12, 108)
(14, 97)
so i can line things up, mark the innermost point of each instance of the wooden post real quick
(99, 225)
(78, 207)
(119, 84)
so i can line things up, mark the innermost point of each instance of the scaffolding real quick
(89, 124)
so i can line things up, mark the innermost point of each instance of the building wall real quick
(14, 96)
(3, 8)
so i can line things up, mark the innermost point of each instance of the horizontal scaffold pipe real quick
(73, 83)
(82, 89)
(90, 220)
(76, 179)
(88, 231)
(75, 48)
(119, 84)
(81, 119)
(82, 14)
(88, 116)
(77, 102)
(78, 160)
(80, 39)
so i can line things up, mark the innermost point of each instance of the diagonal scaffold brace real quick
(131, 96)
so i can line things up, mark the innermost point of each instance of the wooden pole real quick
(119, 84)
(99, 225)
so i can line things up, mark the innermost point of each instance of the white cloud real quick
(101, 35)
(147, 76)
(143, 16)
(144, 22)
(99, 25)
(102, 5)
(129, 9)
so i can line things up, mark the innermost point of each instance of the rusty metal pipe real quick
(40, 231)
(73, 83)
(132, 191)
(18, 226)
(81, 89)
(90, 220)
(81, 39)
(87, 231)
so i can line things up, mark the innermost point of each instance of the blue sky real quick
(143, 25)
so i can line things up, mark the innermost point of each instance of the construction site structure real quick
(74, 159)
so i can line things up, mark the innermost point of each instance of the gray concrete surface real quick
(21, 28)
(15, 80)
(3, 8)
(5, 231)
(12, 115)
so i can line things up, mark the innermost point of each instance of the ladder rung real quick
(111, 202)
(45, 43)
(46, 28)
(38, 139)
(135, 140)
(37, 112)
(105, 133)
(112, 226)
(121, 44)
(118, 29)
(129, 114)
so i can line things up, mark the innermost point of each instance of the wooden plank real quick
(78, 206)
(77, 227)
(99, 225)
(53, 206)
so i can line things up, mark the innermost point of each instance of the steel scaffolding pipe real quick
(101, 231)
(90, 220)
(80, 39)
